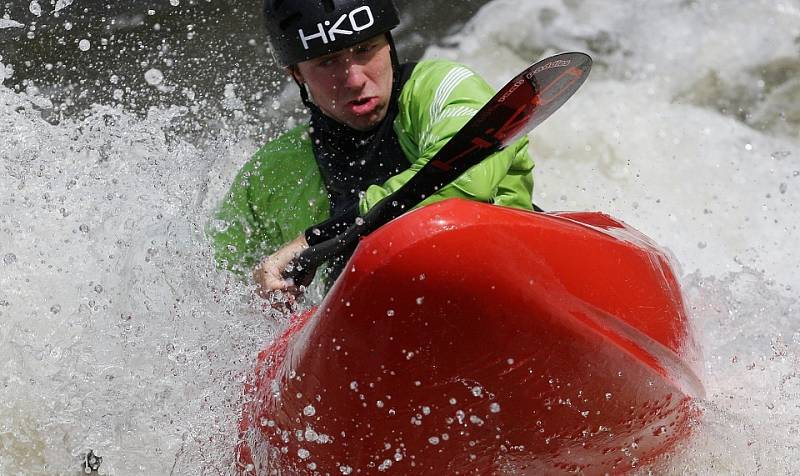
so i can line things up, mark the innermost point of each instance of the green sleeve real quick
(275, 197)
(437, 101)
(515, 190)
(239, 237)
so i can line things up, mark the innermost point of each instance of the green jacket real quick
(279, 193)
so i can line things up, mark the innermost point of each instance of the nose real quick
(356, 77)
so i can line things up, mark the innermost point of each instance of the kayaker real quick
(373, 123)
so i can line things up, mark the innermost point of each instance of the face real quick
(352, 86)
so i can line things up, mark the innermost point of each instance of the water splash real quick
(119, 335)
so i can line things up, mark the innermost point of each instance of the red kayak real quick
(465, 338)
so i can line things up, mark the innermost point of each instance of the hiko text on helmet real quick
(360, 19)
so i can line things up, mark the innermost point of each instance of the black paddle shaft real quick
(521, 105)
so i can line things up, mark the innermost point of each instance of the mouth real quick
(363, 106)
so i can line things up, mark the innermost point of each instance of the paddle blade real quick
(524, 103)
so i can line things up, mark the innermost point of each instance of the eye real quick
(327, 62)
(365, 48)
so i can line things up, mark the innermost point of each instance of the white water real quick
(117, 334)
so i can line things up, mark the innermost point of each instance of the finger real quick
(269, 283)
(264, 285)
(260, 280)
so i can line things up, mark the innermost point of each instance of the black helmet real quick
(300, 30)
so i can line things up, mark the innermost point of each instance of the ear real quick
(294, 71)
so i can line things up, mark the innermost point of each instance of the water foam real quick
(118, 334)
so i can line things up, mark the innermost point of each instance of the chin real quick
(371, 121)
(363, 124)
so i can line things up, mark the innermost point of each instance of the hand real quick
(268, 274)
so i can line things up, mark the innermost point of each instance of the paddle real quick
(522, 104)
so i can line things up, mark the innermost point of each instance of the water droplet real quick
(309, 411)
(303, 453)
(783, 188)
(62, 4)
(477, 391)
(229, 91)
(266, 422)
(345, 469)
(220, 225)
(84, 228)
(9, 258)
(35, 8)
(390, 312)
(359, 221)
(154, 77)
(494, 407)
(55, 309)
(420, 300)
(434, 440)
(475, 420)
(84, 45)
(174, 3)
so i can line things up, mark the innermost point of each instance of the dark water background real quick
(212, 55)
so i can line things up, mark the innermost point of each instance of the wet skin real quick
(352, 86)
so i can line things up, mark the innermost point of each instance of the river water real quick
(117, 333)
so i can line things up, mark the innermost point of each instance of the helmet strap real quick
(304, 96)
(393, 53)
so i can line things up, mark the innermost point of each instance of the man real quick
(374, 123)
